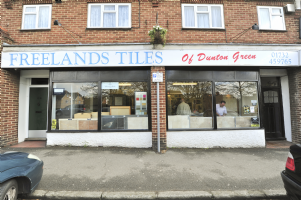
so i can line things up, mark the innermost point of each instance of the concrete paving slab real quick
(74, 195)
(234, 171)
(256, 194)
(37, 194)
(128, 195)
(179, 195)
(275, 193)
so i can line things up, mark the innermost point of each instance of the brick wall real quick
(72, 14)
(294, 77)
(9, 99)
(162, 99)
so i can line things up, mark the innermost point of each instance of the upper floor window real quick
(107, 15)
(271, 18)
(36, 16)
(202, 16)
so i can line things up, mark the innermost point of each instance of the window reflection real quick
(124, 105)
(189, 105)
(241, 104)
(76, 108)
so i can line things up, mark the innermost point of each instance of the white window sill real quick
(273, 30)
(191, 28)
(38, 29)
(114, 28)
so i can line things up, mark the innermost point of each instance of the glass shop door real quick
(38, 98)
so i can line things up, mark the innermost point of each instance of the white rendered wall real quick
(286, 108)
(214, 139)
(112, 139)
(25, 76)
(23, 109)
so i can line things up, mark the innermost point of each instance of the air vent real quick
(289, 8)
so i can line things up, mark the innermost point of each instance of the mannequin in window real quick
(183, 108)
(221, 109)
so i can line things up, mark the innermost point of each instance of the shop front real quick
(236, 96)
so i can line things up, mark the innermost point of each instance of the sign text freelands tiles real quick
(56, 59)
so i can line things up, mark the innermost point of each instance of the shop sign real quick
(56, 59)
(110, 85)
(158, 77)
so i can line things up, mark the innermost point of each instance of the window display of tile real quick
(94, 115)
(137, 122)
(82, 115)
(67, 124)
(178, 121)
(225, 122)
(78, 124)
(87, 124)
(243, 121)
(200, 122)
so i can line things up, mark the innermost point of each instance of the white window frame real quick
(37, 16)
(109, 11)
(271, 14)
(210, 15)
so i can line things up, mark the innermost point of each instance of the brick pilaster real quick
(294, 77)
(9, 99)
(162, 111)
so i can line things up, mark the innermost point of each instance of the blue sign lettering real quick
(52, 63)
(82, 59)
(148, 57)
(66, 58)
(131, 58)
(45, 58)
(34, 58)
(12, 58)
(91, 58)
(137, 54)
(121, 58)
(104, 57)
(25, 59)
(159, 57)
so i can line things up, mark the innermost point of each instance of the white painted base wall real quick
(125, 139)
(213, 139)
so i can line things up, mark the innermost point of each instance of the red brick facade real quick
(239, 15)
(294, 76)
(9, 99)
(162, 98)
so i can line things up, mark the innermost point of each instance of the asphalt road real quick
(119, 169)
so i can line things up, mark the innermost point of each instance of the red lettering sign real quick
(236, 56)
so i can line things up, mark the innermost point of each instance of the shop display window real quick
(108, 15)
(124, 106)
(189, 105)
(202, 16)
(36, 16)
(75, 106)
(237, 105)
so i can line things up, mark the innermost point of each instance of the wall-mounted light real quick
(255, 27)
(56, 22)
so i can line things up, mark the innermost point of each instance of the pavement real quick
(123, 173)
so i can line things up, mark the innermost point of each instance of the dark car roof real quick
(12, 159)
